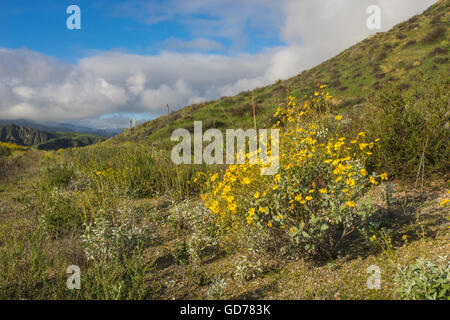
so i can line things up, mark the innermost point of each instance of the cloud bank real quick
(39, 87)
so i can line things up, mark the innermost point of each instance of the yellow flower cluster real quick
(317, 172)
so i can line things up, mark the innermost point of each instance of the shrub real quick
(60, 213)
(197, 245)
(410, 43)
(4, 151)
(310, 203)
(125, 277)
(216, 289)
(403, 86)
(425, 280)
(410, 126)
(441, 60)
(195, 217)
(247, 268)
(57, 176)
(434, 34)
(437, 19)
(412, 26)
(106, 239)
(438, 51)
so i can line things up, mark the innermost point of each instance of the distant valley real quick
(44, 140)
(58, 127)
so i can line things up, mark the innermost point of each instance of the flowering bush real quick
(311, 202)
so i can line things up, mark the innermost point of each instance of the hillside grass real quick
(403, 57)
(135, 225)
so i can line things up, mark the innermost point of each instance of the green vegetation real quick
(363, 181)
(425, 280)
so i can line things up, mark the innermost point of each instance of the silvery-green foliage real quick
(246, 268)
(105, 239)
(195, 217)
(197, 244)
(216, 289)
(425, 280)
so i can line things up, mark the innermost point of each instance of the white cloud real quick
(333, 25)
(38, 87)
(24, 92)
(209, 18)
(136, 83)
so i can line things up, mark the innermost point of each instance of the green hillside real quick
(405, 57)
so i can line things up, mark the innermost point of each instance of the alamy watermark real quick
(74, 280)
(213, 153)
(74, 20)
(374, 20)
(374, 281)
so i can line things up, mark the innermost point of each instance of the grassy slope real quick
(69, 139)
(401, 57)
(170, 276)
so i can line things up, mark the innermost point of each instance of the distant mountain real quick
(57, 127)
(25, 136)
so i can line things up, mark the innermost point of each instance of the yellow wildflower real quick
(351, 182)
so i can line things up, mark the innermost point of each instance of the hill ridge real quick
(400, 57)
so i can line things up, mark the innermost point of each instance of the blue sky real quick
(133, 57)
(41, 26)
